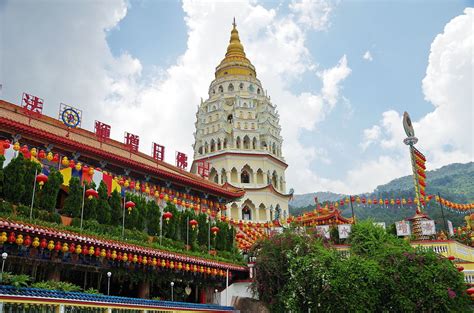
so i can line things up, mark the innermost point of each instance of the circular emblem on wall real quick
(70, 117)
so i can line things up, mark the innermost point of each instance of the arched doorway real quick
(246, 213)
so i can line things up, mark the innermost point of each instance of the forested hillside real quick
(454, 182)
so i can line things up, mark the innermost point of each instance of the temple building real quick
(238, 139)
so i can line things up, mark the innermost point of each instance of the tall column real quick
(227, 174)
(265, 178)
(239, 212)
(257, 214)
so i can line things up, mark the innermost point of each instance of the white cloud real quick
(312, 13)
(368, 56)
(371, 135)
(446, 134)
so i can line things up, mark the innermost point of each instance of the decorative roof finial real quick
(234, 24)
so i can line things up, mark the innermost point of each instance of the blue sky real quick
(143, 65)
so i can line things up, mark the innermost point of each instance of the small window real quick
(258, 91)
(213, 91)
(241, 86)
(229, 118)
(251, 88)
(230, 88)
(221, 89)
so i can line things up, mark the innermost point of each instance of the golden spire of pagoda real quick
(235, 61)
(235, 48)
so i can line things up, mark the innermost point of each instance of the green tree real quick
(186, 229)
(103, 207)
(48, 195)
(29, 179)
(203, 230)
(153, 218)
(115, 202)
(2, 159)
(73, 202)
(170, 228)
(297, 272)
(15, 172)
(90, 205)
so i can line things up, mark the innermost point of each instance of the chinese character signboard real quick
(132, 141)
(102, 130)
(403, 228)
(203, 169)
(181, 160)
(158, 152)
(323, 231)
(31, 104)
(344, 230)
(428, 227)
(450, 228)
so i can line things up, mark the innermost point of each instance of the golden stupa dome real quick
(235, 61)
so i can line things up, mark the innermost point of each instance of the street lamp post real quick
(109, 274)
(4, 258)
(172, 285)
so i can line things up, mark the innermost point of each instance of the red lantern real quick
(167, 216)
(92, 193)
(451, 257)
(42, 154)
(214, 230)
(470, 291)
(108, 254)
(193, 223)
(6, 144)
(57, 247)
(72, 248)
(41, 179)
(129, 205)
(460, 268)
(11, 238)
(43, 243)
(97, 252)
(27, 241)
(85, 250)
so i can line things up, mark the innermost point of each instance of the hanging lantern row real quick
(107, 254)
(160, 193)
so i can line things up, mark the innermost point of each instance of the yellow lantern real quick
(19, 240)
(65, 162)
(35, 243)
(154, 262)
(124, 257)
(114, 255)
(65, 247)
(49, 156)
(78, 166)
(135, 258)
(91, 250)
(144, 261)
(171, 264)
(16, 146)
(51, 245)
(33, 152)
(103, 253)
(3, 237)
(78, 249)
